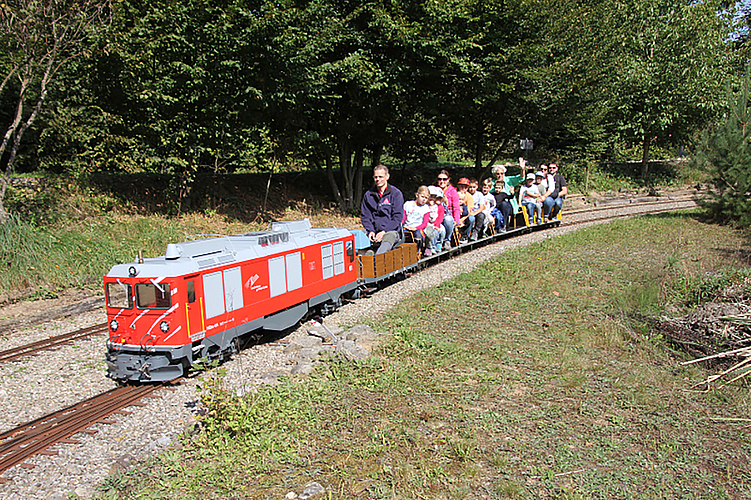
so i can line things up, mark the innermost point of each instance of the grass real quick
(39, 259)
(522, 379)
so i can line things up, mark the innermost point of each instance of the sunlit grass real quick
(532, 384)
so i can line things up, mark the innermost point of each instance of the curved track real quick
(36, 437)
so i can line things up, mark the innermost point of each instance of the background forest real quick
(192, 87)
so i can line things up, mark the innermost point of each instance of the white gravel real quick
(36, 386)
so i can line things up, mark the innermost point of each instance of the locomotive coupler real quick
(145, 370)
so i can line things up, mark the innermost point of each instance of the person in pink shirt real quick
(451, 202)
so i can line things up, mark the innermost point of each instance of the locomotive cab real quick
(143, 319)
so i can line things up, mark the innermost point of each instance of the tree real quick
(350, 75)
(39, 37)
(666, 60)
(724, 150)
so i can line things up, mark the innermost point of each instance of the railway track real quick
(51, 342)
(37, 437)
(571, 218)
(683, 204)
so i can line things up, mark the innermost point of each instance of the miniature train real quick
(204, 297)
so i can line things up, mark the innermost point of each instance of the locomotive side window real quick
(151, 296)
(119, 296)
(350, 251)
(327, 261)
(191, 286)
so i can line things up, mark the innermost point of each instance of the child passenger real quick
(489, 201)
(416, 218)
(437, 213)
(478, 206)
(530, 198)
(501, 200)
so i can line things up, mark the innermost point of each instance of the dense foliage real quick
(724, 149)
(195, 86)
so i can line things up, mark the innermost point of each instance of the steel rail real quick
(51, 342)
(36, 437)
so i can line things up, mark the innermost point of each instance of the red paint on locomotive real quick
(168, 312)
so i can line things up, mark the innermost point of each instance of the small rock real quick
(312, 489)
(308, 341)
(164, 441)
(291, 495)
(84, 491)
(309, 353)
(350, 351)
(359, 331)
(302, 369)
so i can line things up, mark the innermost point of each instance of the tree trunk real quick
(332, 181)
(4, 216)
(479, 149)
(645, 159)
(359, 160)
(345, 164)
(375, 158)
(497, 153)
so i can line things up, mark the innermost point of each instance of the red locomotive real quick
(200, 298)
(203, 296)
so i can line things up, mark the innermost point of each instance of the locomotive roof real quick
(196, 255)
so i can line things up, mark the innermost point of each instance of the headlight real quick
(114, 325)
(164, 326)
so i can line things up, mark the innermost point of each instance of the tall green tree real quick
(352, 81)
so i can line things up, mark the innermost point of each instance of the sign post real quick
(526, 145)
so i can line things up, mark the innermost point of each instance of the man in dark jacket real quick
(382, 211)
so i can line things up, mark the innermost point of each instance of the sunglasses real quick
(443, 178)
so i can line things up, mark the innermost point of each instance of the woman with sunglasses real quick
(451, 199)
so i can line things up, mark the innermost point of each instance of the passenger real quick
(555, 194)
(381, 212)
(453, 210)
(416, 219)
(509, 182)
(490, 205)
(477, 207)
(503, 207)
(543, 183)
(466, 221)
(437, 214)
(498, 198)
(531, 198)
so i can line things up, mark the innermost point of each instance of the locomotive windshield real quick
(119, 295)
(153, 296)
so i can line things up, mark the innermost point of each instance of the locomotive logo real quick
(251, 281)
